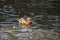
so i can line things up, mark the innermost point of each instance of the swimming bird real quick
(24, 22)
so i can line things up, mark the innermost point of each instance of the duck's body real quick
(24, 22)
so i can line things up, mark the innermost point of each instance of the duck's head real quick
(28, 20)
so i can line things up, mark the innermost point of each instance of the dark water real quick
(43, 27)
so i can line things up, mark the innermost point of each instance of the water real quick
(42, 28)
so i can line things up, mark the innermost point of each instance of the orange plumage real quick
(24, 22)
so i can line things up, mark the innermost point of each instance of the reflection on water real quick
(32, 34)
(42, 28)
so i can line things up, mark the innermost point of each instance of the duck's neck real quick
(29, 22)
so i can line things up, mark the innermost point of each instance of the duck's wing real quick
(22, 20)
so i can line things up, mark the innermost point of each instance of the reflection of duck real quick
(24, 22)
(14, 27)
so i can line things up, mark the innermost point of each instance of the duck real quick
(24, 22)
